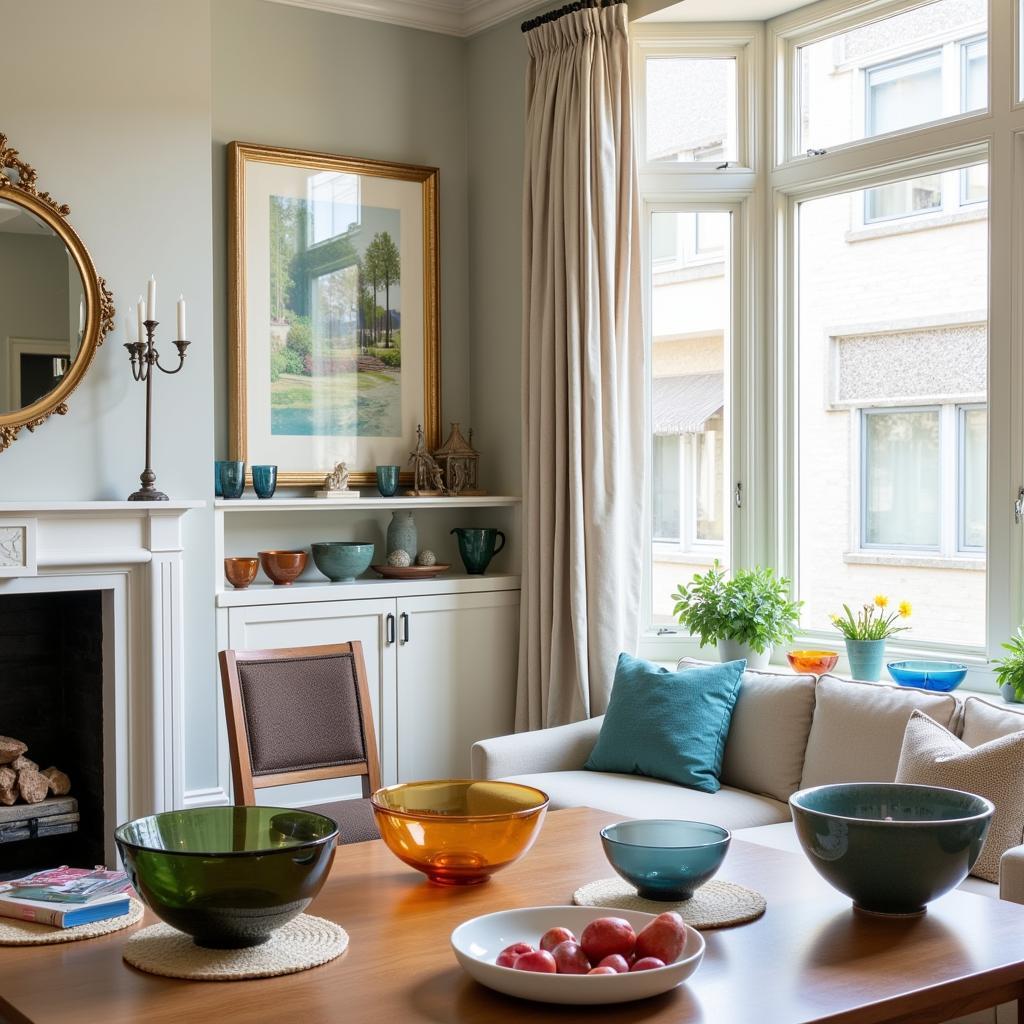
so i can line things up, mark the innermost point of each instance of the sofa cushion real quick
(782, 836)
(636, 797)
(983, 721)
(667, 724)
(764, 751)
(857, 729)
(933, 756)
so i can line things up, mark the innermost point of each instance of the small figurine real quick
(458, 460)
(336, 484)
(427, 480)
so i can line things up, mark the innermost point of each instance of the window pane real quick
(889, 346)
(691, 108)
(902, 479)
(903, 198)
(974, 184)
(711, 229)
(891, 75)
(973, 477)
(664, 237)
(690, 324)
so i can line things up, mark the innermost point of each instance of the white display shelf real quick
(376, 503)
(304, 591)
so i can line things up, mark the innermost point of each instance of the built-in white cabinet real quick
(441, 665)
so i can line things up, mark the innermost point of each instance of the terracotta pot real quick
(240, 572)
(283, 567)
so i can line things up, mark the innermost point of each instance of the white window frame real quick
(767, 193)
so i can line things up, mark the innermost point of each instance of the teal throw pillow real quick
(668, 724)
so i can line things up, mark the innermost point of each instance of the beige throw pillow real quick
(933, 756)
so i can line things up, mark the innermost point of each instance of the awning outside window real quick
(682, 405)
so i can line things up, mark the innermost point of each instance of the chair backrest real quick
(298, 714)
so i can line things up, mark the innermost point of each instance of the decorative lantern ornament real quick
(459, 461)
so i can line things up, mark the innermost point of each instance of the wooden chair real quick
(302, 714)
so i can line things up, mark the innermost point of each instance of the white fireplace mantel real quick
(132, 553)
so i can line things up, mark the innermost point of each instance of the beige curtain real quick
(583, 368)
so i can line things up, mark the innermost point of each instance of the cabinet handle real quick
(389, 633)
(405, 627)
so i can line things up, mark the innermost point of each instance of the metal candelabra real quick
(144, 358)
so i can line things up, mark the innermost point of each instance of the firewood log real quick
(21, 761)
(60, 784)
(8, 786)
(33, 786)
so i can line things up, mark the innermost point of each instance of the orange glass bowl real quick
(459, 832)
(815, 663)
(283, 567)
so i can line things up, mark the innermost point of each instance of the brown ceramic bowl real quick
(241, 571)
(283, 567)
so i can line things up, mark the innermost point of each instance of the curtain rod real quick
(579, 5)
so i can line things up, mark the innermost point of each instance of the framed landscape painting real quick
(333, 269)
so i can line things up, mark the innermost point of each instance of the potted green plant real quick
(746, 616)
(866, 633)
(1010, 670)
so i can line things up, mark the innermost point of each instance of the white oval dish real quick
(478, 942)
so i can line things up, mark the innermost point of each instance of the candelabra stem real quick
(148, 491)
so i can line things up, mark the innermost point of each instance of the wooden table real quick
(810, 958)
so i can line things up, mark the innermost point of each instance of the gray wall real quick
(112, 107)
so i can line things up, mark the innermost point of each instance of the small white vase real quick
(730, 650)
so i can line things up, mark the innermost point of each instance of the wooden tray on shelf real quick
(410, 572)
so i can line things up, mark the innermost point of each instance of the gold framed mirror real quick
(55, 310)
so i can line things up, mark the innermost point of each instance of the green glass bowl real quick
(228, 876)
(891, 847)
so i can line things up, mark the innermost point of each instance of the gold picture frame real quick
(253, 394)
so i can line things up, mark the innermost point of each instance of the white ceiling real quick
(452, 17)
(725, 10)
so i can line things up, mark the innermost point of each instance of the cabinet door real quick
(329, 622)
(456, 679)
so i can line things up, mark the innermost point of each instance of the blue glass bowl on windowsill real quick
(941, 676)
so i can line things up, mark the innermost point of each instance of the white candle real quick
(142, 316)
(81, 316)
(181, 318)
(131, 332)
(151, 299)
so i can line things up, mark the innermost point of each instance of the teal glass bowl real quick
(941, 676)
(891, 847)
(228, 876)
(341, 561)
(663, 858)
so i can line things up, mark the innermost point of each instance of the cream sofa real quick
(787, 733)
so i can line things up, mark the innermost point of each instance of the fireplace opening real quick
(51, 700)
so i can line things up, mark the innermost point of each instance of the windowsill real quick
(679, 556)
(918, 561)
(920, 222)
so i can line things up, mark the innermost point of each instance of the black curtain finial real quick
(579, 5)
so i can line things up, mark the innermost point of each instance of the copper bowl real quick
(240, 572)
(283, 567)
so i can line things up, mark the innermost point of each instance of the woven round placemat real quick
(715, 904)
(302, 943)
(24, 933)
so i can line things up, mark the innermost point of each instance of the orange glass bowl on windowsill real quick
(459, 832)
(815, 663)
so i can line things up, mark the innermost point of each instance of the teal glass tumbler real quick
(387, 480)
(217, 490)
(232, 479)
(264, 481)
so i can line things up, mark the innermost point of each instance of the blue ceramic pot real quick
(402, 533)
(264, 481)
(865, 657)
(891, 847)
(387, 480)
(232, 479)
(663, 858)
(342, 560)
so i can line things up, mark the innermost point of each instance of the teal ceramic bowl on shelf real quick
(341, 561)
(891, 847)
(228, 876)
(665, 859)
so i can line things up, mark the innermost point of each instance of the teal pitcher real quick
(477, 547)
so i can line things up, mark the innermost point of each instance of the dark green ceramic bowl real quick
(892, 848)
(228, 876)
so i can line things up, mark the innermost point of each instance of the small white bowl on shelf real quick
(478, 942)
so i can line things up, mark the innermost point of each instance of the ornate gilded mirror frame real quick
(20, 188)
